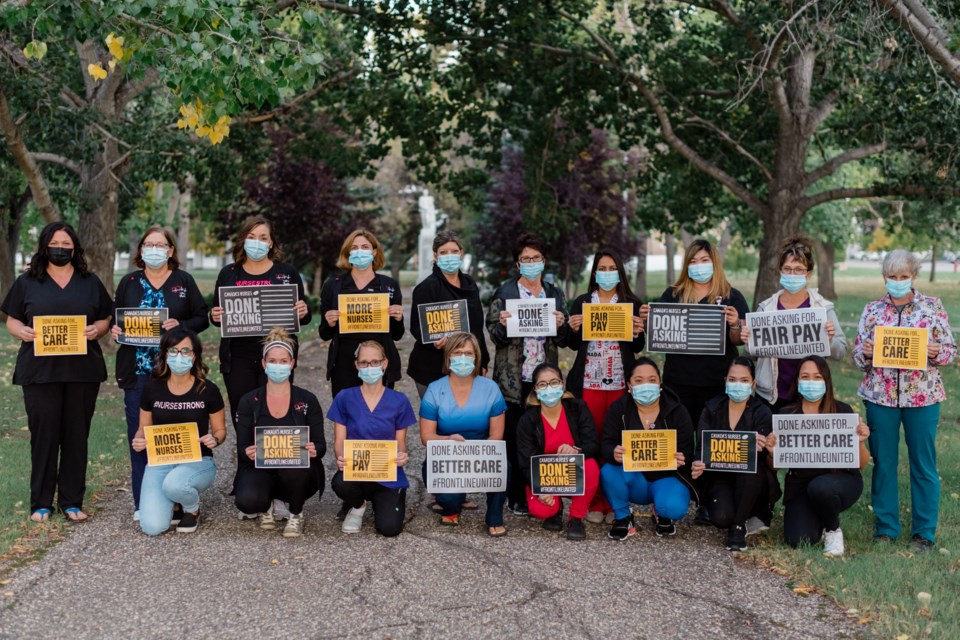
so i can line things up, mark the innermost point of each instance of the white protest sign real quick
(471, 466)
(531, 318)
(790, 334)
(816, 441)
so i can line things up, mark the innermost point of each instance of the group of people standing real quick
(610, 388)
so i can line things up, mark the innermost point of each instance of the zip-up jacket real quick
(305, 409)
(531, 438)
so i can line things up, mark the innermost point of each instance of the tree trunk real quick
(826, 255)
(184, 211)
(670, 245)
(133, 239)
(933, 262)
(640, 282)
(781, 223)
(97, 226)
(10, 240)
(317, 279)
(725, 238)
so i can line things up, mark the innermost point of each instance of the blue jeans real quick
(452, 503)
(138, 459)
(175, 483)
(669, 496)
(920, 434)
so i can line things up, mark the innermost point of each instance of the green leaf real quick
(35, 49)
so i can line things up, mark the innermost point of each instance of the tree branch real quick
(56, 158)
(733, 143)
(822, 111)
(16, 57)
(333, 6)
(830, 166)
(131, 90)
(293, 104)
(927, 34)
(873, 192)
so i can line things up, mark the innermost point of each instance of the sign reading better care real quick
(471, 466)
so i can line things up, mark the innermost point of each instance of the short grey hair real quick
(443, 238)
(900, 260)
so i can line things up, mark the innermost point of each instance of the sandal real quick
(436, 508)
(74, 514)
(493, 533)
(40, 515)
(452, 520)
(470, 504)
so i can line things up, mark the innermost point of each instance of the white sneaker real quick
(267, 521)
(833, 543)
(136, 515)
(596, 517)
(247, 516)
(280, 509)
(294, 526)
(755, 525)
(354, 520)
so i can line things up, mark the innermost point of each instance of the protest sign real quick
(900, 347)
(255, 310)
(557, 475)
(695, 329)
(816, 441)
(790, 334)
(370, 460)
(471, 466)
(531, 317)
(141, 327)
(651, 450)
(730, 451)
(59, 336)
(281, 447)
(608, 322)
(441, 319)
(364, 312)
(172, 443)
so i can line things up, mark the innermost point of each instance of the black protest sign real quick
(727, 450)
(282, 447)
(254, 311)
(441, 319)
(695, 329)
(141, 327)
(557, 475)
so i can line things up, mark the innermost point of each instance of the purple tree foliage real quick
(504, 216)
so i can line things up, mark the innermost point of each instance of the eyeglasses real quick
(531, 259)
(553, 384)
(794, 271)
(186, 351)
(364, 364)
(155, 245)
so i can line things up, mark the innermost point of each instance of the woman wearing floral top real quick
(911, 397)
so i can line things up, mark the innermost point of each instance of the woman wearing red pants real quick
(597, 373)
(557, 423)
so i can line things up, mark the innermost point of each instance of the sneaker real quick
(294, 526)
(188, 522)
(342, 513)
(177, 515)
(280, 509)
(353, 520)
(755, 525)
(702, 519)
(576, 530)
(267, 521)
(622, 528)
(136, 515)
(919, 544)
(595, 517)
(665, 527)
(833, 543)
(520, 509)
(554, 522)
(609, 518)
(737, 538)
(451, 520)
(247, 516)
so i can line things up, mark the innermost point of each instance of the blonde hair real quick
(684, 289)
(278, 337)
(373, 344)
(343, 260)
(456, 341)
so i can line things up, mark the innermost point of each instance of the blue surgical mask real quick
(179, 363)
(812, 390)
(462, 366)
(645, 394)
(370, 375)
(154, 257)
(792, 282)
(532, 270)
(738, 391)
(361, 258)
(550, 396)
(608, 280)
(450, 263)
(899, 288)
(256, 250)
(277, 372)
(700, 273)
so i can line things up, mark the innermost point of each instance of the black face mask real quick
(59, 256)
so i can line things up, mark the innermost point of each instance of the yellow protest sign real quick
(608, 322)
(651, 450)
(172, 443)
(60, 336)
(900, 347)
(364, 313)
(370, 460)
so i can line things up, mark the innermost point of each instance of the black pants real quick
(389, 505)
(245, 376)
(693, 399)
(59, 415)
(731, 497)
(254, 489)
(807, 513)
(516, 487)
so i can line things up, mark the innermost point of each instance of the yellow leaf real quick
(98, 72)
(193, 120)
(203, 131)
(181, 124)
(115, 45)
(112, 64)
(216, 137)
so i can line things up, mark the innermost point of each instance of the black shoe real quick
(622, 528)
(554, 522)
(344, 508)
(177, 515)
(575, 529)
(737, 538)
(188, 522)
(882, 538)
(702, 519)
(521, 509)
(919, 544)
(665, 527)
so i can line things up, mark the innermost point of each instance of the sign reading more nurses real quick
(900, 347)
(650, 450)
(59, 336)
(370, 460)
(172, 443)
(364, 312)
(608, 322)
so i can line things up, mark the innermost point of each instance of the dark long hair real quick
(532, 399)
(170, 339)
(828, 403)
(38, 263)
(624, 293)
(743, 361)
(641, 361)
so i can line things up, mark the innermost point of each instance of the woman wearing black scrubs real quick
(59, 392)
